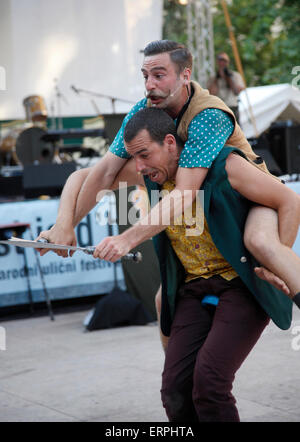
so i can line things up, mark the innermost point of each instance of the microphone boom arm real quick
(97, 94)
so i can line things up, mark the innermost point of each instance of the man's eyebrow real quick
(140, 151)
(156, 68)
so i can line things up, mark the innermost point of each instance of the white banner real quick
(81, 275)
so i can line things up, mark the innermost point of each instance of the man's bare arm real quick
(128, 176)
(79, 196)
(265, 190)
(62, 232)
(100, 177)
(169, 208)
(68, 199)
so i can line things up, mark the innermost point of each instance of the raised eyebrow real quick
(157, 68)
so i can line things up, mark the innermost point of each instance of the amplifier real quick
(285, 147)
(46, 179)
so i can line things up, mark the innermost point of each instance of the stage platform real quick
(53, 371)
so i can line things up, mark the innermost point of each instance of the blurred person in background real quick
(226, 84)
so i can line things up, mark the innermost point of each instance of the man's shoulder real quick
(138, 106)
(211, 115)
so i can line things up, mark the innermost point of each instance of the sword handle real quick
(134, 256)
(43, 240)
(88, 250)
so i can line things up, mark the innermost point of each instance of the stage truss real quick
(201, 39)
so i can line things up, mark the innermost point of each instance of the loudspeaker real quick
(11, 186)
(113, 122)
(269, 160)
(293, 149)
(261, 148)
(46, 179)
(285, 146)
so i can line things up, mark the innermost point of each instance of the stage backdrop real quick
(92, 44)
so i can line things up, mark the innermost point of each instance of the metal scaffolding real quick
(201, 39)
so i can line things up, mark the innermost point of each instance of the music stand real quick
(17, 229)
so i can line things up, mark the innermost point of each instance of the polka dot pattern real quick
(117, 147)
(207, 135)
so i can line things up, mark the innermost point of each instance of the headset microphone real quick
(170, 94)
(175, 92)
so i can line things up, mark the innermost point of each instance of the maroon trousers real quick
(206, 349)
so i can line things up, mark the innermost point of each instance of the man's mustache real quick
(155, 95)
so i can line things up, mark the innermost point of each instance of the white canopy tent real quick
(278, 102)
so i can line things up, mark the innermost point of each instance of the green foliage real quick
(267, 34)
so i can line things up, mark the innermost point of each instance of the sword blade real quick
(43, 245)
(19, 242)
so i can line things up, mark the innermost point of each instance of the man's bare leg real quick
(164, 339)
(261, 237)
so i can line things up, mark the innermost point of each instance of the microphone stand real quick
(59, 97)
(96, 94)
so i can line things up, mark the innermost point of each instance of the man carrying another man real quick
(205, 349)
(205, 124)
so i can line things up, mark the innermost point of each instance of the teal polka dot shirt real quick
(207, 134)
(117, 147)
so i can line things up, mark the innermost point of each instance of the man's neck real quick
(175, 110)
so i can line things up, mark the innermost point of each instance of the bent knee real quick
(260, 243)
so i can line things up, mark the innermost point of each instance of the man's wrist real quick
(140, 232)
(63, 224)
(132, 237)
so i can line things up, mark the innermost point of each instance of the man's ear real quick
(186, 76)
(170, 142)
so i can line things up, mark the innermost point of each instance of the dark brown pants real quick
(205, 350)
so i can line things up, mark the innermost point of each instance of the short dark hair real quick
(156, 121)
(179, 54)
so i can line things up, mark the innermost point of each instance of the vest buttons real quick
(243, 259)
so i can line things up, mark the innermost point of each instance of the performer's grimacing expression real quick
(158, 161)
(164, 85)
